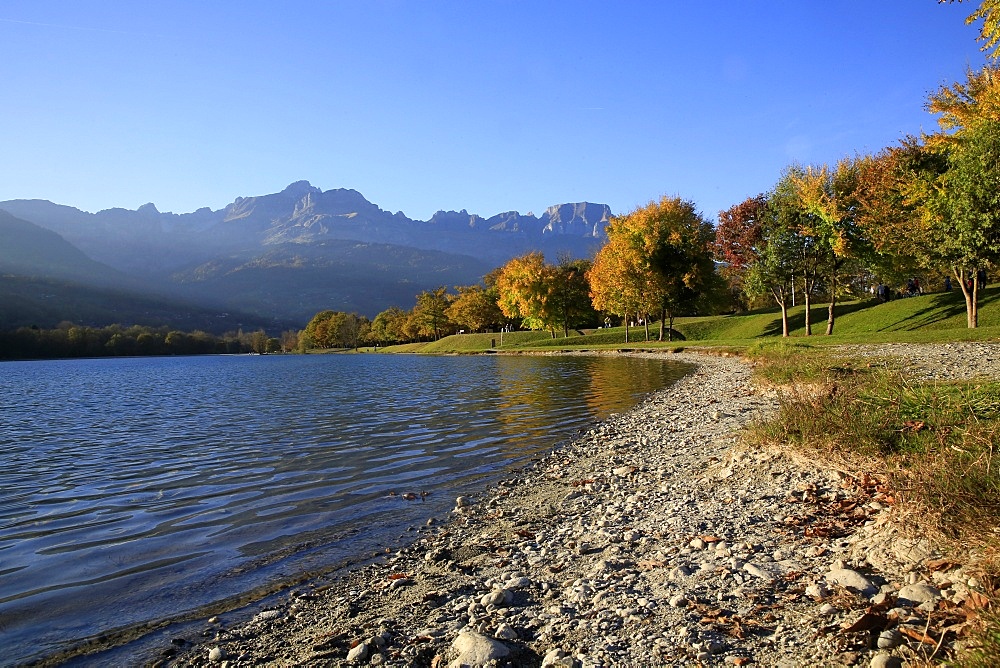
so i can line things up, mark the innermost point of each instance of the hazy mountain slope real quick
(44, 303)
(30, 250)
(298, 280)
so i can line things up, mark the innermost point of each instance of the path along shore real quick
(655, 538)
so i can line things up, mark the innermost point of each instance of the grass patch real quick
(939, 438)
(935, 442)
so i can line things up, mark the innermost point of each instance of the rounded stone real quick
(474, 649)
(889, 639)
(358, 654)
(885, 661)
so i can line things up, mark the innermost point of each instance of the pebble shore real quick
(654, 539)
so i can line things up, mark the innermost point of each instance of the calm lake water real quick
(136, 490)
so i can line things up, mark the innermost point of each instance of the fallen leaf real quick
(976, 601)
(919, 636)
(868, 621)
(941, 564)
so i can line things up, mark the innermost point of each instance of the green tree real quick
(258, 342)
(960, 205)
(352, 329)
(388, 326)
(570, 294)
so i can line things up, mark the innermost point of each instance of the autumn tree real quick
(289, 340)
(673, 244)
(989, 13)
(619, 282)
(321, 331)
(738, 238)
(431, 312)
(523, 289)
(886, 215)
(475, 308)
(827, 221)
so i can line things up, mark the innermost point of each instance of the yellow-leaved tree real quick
(665, 251)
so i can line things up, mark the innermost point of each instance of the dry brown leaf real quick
(868, 621)
(940, 564)
(976, 601)
(919, 636)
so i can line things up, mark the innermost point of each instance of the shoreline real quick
(652, 539)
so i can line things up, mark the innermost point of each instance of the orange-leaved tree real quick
(672, 244)
(619, 283)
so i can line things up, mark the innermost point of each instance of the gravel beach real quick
(655, 538)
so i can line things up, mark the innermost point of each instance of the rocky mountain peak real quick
(299, 189)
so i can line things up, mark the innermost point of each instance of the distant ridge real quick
(185, 252)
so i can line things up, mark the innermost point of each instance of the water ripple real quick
(126, 482)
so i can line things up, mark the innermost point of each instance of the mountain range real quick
(280, 257)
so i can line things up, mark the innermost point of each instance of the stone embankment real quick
(653, 539)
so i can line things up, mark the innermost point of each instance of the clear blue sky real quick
(484, 105)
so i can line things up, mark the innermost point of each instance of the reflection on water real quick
(134, 489)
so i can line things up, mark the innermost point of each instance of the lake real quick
(138, 490)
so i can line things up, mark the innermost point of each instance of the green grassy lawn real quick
(929, 318)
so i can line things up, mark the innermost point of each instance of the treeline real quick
(922, 211)
(69, 340)
(658, 263)
(526, 292)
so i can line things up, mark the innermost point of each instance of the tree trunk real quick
(808, 301)
(626, 328)
(782, 299)
(670, 328)
(663, 319)
(645, 322)
(971, 297)
(833, 304)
